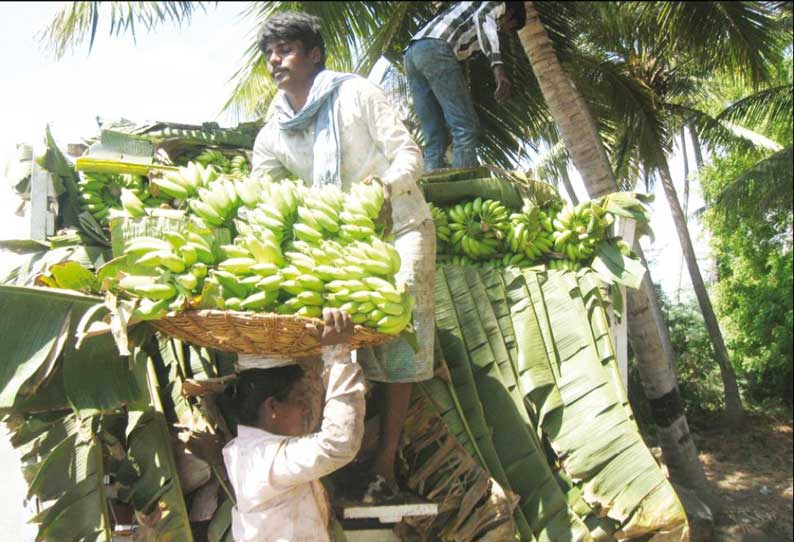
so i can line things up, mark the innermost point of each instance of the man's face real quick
(290, 65)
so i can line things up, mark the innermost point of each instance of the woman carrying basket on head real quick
(276, 461)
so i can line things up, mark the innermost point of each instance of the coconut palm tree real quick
(647, 333)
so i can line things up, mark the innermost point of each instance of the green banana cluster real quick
(530, 232)
(167, 271)
(100, 192)
(478, 227)
(511, 260)
(564, 265)
(578, 230)
(216, 203)
(237, 166)
(183, 183)
(276, 210)
(443, 232)
(360, 213)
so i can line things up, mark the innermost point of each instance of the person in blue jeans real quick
(440, 93)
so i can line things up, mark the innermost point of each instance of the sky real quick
(178, 75)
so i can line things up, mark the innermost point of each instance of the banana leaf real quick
(37, 259)
(116, 145)
(28, 342)
(220, 527)
(598, 302)
(157, 494)
(101, 165)
(450, 338)
(617, 472)
(64, 467)
(600, 528)
(64, 179)
(614, 268)
(542, 502)
(94, 377)
(449, 186)
(442, 393)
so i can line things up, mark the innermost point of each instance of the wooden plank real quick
(371, 535)
(390, 513)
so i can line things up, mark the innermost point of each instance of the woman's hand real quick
(337, 328)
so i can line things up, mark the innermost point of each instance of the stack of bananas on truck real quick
(479, 231)
(101, 192)
(296, 250)
(236, 166)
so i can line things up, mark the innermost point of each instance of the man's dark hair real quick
(517, 11)
(293, 26)
(256, 385)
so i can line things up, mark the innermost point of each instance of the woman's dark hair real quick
(293, 26)
(255, 385)
(517, 11)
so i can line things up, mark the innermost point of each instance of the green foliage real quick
(754, 293)
(698, 375)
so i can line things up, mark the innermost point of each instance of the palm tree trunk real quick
(647, 330)
(696, 148)
(686, 205)
(566, 182)
(733, 403)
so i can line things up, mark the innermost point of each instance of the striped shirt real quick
(468, 27)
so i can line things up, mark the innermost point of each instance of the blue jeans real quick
(440, 93)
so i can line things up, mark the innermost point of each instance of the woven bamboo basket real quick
(255, 333)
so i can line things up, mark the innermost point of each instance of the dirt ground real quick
(751, 467)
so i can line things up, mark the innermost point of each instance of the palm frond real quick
(737, 37)
(77, 21)
(551, 164)
(715, 135)
(769, 183)
(763, 108)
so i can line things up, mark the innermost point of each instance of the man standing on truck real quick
(438, 87)
(330, 127)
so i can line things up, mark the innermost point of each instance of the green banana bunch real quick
(100, 192)
(478, 227)
(318, 216)
(168, 271)
(276, 211)
(372, 302)
(511, 260)
(357, 222)
(183, 183)
(237, 166)
(213, 157)
(530, 232)
(443, 232)
(564, 265)
(249, 191)
(217, 204)
(369, 197)
(578, 230)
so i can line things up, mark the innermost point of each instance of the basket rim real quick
(215, 328)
